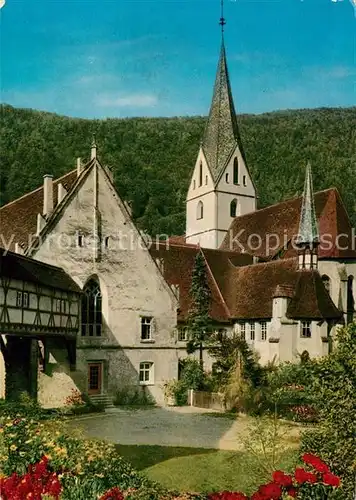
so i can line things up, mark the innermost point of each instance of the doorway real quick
(95, 372)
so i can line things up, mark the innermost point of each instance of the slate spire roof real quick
(221, 135)
(308, 227)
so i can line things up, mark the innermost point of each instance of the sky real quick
(119, 58)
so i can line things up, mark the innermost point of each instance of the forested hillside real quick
(152, 158)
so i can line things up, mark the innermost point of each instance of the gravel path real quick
(188, 427)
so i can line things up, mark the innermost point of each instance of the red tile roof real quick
(241, 290)
(268, 232)
(18, 219)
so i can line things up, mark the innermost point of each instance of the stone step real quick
(102, 399)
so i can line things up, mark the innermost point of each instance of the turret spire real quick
(308, 226)
(308, 235)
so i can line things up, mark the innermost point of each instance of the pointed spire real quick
(221, 135)
(308, 226)
(93, 148)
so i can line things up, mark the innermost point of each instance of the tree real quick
(199, 322)
(334, 390)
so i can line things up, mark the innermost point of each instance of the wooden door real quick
(95, 378)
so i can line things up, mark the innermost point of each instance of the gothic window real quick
(206, 179)
(227, 178)
(350, 300)
(306, 329)
(326, 281)
(233, 207)
(200, 210)
(200, 174)
(91, 310)
(236, 171)
(244, 180)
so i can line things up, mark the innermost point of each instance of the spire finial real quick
(222, 21)
(93, 148)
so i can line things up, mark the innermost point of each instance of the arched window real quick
(350, 300)
(200, 174)
(233, 208)
(326, 281)
(91, 310)
(200, 210)
(236, 171)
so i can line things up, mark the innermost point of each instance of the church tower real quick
(221, 187)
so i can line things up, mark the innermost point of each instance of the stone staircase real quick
(102, 399)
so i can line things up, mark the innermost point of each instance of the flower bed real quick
(40, 460)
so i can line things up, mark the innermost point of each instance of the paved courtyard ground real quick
(186, 427)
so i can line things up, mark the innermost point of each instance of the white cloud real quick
(130, 100)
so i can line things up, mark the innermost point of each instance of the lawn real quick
(200, 469)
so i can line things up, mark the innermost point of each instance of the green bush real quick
(134, 396)
(334, 388)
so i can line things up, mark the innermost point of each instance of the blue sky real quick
(121, 58)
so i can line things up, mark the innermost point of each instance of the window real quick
(233, 207)
(194, 184)
(61, 306)
(305, 330)
(146, 328)
(80, 240)
(227, 178)
(263, 331)
(91, 310)
(243, 330)
(200, 210)
(244, 180)
(200, 174)
(252, 331)
(206, 179)
(326, 281)
(107, 241)
(350, 300)
(182, 334)
(236, 171)
(22, 299)
(146, 373)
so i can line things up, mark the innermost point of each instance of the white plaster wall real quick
(130, 281)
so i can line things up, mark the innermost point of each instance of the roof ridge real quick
(216, 284)
(288, 200)
(35, 190)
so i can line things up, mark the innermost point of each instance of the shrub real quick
(334, 386)
(134, 396)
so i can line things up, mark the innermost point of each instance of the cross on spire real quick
(222, 21)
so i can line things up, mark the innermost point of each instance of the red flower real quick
(113, 494)
(292, 492)
(271, 491)
(303, 476)
(258, 496)
(315, 462)
(279, 477)
(331, 479)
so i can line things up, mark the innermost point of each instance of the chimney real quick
(41, 222)
(18, 248)
(93, 149)
(61, 192)
(47, 194)
(79, 166)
